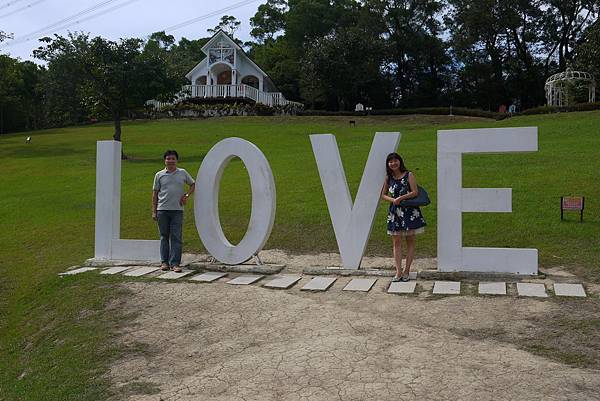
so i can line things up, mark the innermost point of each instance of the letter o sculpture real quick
(206, 204)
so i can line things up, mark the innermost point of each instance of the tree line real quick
(419, 53)
(328, 54)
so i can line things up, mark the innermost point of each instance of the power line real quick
(22, 8)
(51, 27)
(9, 3)
(68, 22)
(212, 14)
(98, 14)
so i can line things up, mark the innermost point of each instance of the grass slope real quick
(55, 332)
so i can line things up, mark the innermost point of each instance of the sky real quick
(29, 20)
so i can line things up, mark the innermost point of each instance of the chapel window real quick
(221, 52)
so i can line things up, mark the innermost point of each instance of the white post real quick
(352, 223)
(108, 197)
(453, 200)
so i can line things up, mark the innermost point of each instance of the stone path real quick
(320, 283)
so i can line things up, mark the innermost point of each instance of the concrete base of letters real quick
(254, 269)
(340, 271)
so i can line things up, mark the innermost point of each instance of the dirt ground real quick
(196, 341)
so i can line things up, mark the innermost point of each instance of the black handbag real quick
(422, 199)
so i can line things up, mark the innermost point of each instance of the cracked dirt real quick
(221, 342)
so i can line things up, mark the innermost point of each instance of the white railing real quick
(228, 91)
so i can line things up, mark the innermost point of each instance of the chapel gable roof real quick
(220, 35)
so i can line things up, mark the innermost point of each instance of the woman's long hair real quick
(390, 173)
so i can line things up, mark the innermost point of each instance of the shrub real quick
(561, 109)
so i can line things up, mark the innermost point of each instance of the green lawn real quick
(55, 333)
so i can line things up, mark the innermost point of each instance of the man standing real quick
(168, 199)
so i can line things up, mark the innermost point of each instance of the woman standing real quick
(400, 184)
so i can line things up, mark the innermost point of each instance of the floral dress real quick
(403, 220)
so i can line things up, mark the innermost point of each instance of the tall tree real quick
(20, 95)
(117, 76)
(417, 57)
(587, 54)
(228, 24)
(269, 20)
(563, 28)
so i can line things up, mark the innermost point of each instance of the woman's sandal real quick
(164, 267)
(177, 269)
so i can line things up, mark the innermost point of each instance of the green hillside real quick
(47, 210)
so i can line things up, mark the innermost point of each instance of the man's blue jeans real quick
(170, 223)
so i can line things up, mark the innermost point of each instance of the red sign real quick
(572, 203)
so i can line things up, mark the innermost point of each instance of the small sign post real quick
(572, 203)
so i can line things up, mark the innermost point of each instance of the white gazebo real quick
(562, 86)
(227, 72)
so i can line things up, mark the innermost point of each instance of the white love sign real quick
(352, 222)
(206, 206)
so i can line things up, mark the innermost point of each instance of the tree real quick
(228, 24)
(20, 97)
(179, 57)
(269, 20)
(563, 27)
(587, 54)
(110, 77)
(4, 36)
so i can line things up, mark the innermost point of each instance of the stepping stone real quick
(446, 287)
(283, 282)
(141, 271)
(174, 275)
(319, 284)
(569, 290)
(115, 270)
(402, 288)
(492, 288)
(360, 284)
(245, 280)
(532, 290)
(208, 277)
(77, 271)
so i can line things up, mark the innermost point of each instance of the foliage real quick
(433, 111)
(110, 77)
(587, 54)
(562, 109)
(228, 24)
(220, 109)
(20, 95)
(4, 36)
(330, 55)
(477, 54)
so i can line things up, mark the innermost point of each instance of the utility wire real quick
(68, 22)
(9, 3)
(98, 14)
(212, 14)
(51, 27)
(22, 8)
